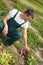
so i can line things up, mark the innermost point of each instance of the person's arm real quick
(7, 17)
(5, 30)
(25, 38)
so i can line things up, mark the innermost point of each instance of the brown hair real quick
(30, 12)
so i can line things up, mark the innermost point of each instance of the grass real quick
(37, 23)
(40, 1)
(18, 5)
(3, 10)
(36, 4)
(33, 40)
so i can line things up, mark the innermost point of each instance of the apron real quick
(13, 33)
(13, 26)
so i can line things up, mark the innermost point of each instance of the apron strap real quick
(23, 22)
(15, 16)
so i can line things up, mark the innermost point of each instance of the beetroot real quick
(24, 52)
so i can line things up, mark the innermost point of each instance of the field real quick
(35, 34)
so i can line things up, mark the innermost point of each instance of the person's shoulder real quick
(12, 12)
(26, 23)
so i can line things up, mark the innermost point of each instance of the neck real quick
(22, 16)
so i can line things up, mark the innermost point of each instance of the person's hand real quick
(26, 47)
(24, 52)
(5, 30)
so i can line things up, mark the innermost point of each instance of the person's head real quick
(29, 14)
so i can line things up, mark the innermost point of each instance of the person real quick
(12, 22)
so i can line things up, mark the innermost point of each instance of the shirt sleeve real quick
(26, 25)
(12, 12)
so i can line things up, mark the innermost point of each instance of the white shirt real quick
(18, 19)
